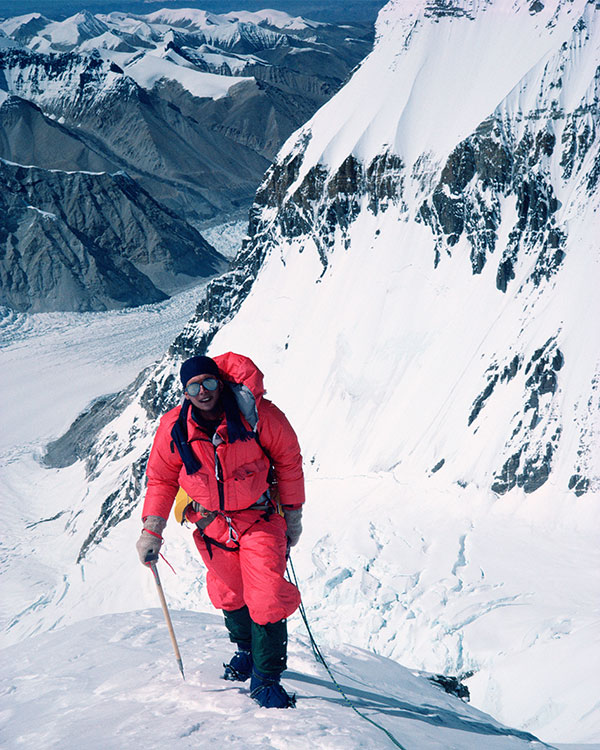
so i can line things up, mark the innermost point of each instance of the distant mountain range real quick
(330, 11)
(192, 106)
(419, 285)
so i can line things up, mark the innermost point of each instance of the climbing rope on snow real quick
(321, 659)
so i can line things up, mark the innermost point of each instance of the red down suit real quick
(232, 478)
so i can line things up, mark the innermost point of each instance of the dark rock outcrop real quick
(91, 241)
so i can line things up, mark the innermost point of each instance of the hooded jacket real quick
(232, 476)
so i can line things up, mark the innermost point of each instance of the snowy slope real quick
(437, 355)
(443, 295)
(37, 351)
(114, 681)
(64, 35)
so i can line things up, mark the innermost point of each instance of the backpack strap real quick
(179, 436)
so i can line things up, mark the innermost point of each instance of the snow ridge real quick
(130, 684)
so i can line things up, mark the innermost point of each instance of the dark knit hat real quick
(198, 366)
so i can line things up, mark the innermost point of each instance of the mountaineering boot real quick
(240, 666)
(266, 690)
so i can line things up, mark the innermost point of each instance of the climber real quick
(233, 460)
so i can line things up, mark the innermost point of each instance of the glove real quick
(148, 545)
(293, 518)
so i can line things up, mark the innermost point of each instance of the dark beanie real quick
(198, 366)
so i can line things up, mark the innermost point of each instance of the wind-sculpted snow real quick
(419, 285)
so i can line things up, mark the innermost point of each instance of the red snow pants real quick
(252, 575)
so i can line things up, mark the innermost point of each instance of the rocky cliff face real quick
(91, 241)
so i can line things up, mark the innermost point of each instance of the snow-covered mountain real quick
(419, 285)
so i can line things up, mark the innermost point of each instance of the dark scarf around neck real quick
(236, 429)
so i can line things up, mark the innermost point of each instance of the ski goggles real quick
(209, 384)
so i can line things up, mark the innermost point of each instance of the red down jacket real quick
(243, 465)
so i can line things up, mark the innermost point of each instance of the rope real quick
(321, 659)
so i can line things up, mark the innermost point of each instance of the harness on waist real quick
(233, 541)
(268, 503)
(185, 503)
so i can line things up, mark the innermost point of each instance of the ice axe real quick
(165, 610)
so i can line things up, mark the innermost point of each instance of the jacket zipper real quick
(219, 476)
